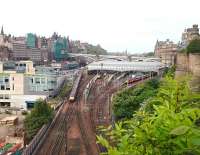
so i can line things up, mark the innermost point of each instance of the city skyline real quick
(115, 25)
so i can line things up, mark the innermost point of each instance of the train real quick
(137, 78)
(75, 87)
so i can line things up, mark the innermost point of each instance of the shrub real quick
(194, 46)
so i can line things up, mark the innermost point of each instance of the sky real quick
(117, 25)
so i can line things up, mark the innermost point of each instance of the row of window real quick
(4, 96)
(42, 81)
(4, 79)
(41, 88)
(6, 87)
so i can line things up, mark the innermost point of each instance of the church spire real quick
(2, 32)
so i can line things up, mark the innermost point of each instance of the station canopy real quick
(123, 66)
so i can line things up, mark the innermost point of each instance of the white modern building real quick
(21, 84)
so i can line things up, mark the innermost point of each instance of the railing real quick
(39, 138)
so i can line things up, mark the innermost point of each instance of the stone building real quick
(5, 53)
(5, 41)
(189, 34)
(166, 51)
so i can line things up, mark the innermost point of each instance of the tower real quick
(2, 33)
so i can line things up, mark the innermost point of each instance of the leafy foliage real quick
(40, 115)
(130, 100)
(65, 90)
(96, 50)
(170, 71)
(149, 54)
(171, 128)
(194, 46)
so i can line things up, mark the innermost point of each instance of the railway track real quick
(55, 143)
(60, 139)
(56, 140)
(84, 134)
(79, 121)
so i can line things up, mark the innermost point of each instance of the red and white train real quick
(134, 79)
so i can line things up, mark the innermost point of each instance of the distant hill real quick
(96, 50)
(78, 47)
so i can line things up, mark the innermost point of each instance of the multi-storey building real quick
(35, 55)
(166, 51)
(21, 84)
(19, 50)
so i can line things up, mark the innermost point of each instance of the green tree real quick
(149, 54)
(41, 114)
(130, 100)
(194, 46)
(172, 128)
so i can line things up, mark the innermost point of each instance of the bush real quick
(41, 114)
(194, 46)
(173, 128)
(130, 100)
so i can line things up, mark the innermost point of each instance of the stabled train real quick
(137, 78)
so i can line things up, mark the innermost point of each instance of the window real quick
(37, 80)
(13, 87)
(43, 80)
(13, 78)
(31, 80)
(6, 80)
(7, 96)
(1, 80)
(53, 81)
(1, 96)
(2, 87)
(33, 88)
